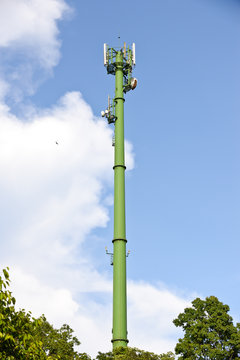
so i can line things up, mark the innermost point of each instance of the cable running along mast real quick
(119, 62)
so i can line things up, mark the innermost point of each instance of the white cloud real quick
(41, 298)
(52, 198)
(55, 189)
(152, 309)
(32, 24)
(29, 32)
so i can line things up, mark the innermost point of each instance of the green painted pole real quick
(119, 241)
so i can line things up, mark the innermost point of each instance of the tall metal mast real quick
(119, 62)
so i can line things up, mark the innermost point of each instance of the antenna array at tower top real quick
(129, 54)
(128, 61)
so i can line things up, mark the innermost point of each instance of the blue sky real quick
(182, 193)
(183, 120)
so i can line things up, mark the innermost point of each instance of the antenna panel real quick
(133, 54)
(105, 57)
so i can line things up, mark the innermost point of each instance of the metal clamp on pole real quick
(119, 165)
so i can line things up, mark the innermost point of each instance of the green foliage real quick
(16, 328)
(209, 332)
(105, 356)
(168, 356)
(24, 338)
(58, 343)
(133, 354)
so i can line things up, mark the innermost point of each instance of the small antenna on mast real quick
(133, 54)
(105, 57)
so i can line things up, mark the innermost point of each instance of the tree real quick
(133, 354)
(23, 337)
(16, 328)
(58, 343)
(209, 332)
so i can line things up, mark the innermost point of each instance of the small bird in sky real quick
(56, 142)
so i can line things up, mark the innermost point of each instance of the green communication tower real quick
(119, 62)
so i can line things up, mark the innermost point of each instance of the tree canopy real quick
(58, 343)
(209, 332)
(22, 337)
(16, 328)
(133, 354)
